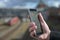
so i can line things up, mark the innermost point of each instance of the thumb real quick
(44, 25)
(40, 18)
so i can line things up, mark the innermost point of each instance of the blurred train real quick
(12, 21)
(9, 20)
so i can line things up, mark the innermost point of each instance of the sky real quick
(26, 3)
(18, 3)
(52, 3)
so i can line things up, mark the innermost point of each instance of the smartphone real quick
(34, 18)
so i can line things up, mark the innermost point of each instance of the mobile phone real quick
(34, 18)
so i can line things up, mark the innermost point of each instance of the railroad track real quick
(4, 34)
(20, 32)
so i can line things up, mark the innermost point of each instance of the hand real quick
(45, 28)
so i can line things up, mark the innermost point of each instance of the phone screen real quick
(34, 18)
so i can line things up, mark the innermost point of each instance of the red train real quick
(11, 20)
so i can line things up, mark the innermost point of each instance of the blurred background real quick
(14, 17)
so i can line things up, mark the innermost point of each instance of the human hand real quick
(45, 28)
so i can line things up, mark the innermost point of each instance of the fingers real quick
(32, 34)
(32, 27)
